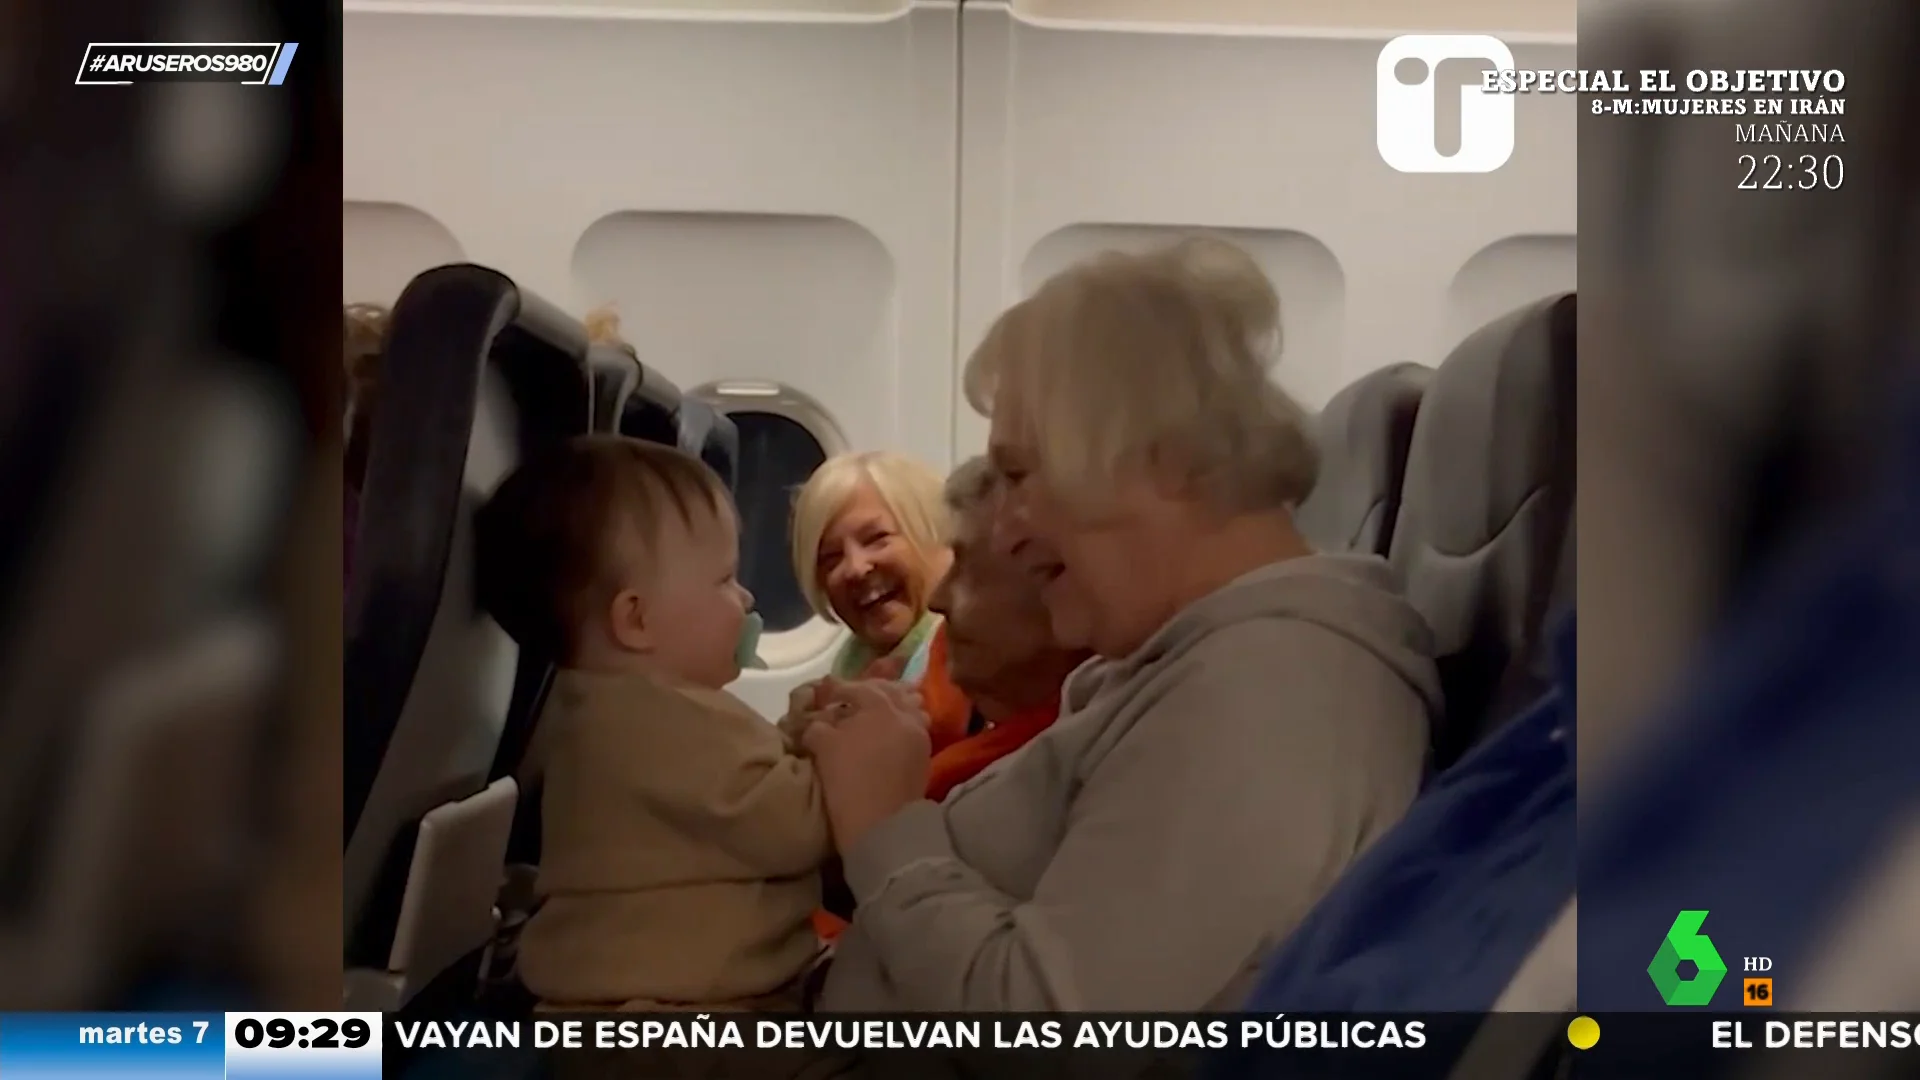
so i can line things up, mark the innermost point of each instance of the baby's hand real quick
(792, 726)
(810, 700)
(802, 707)
(804, 697)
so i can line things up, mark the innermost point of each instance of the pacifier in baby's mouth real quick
(746, 651)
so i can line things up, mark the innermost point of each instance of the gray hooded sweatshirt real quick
(1190, 806)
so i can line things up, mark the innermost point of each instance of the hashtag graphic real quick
(98, 63)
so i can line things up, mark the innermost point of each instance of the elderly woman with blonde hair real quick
(869, 545)
(1256, 713)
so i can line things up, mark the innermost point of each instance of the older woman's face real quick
(872, 575)
(998, 631)
(1104, 580)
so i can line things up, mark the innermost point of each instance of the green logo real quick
(1686, 942)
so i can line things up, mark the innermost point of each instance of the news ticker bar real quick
(1017, 1032)
(352, 1046)
(124, 63)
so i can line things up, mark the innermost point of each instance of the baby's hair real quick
(546, 545)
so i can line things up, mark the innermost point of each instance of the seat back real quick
(616, 374)
(1483, 541)
(1364, 435)
(476, 373)
(659, 411)
(707, 431)
(447, 907)
(636, 400)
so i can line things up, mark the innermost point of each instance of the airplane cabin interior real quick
(805, 215)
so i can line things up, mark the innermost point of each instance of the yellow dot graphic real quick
(1583, 1032)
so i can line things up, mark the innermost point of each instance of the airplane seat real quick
(660, 411)
(1483, 542)
(446, 904)
(614, 373)
(716, 438)
(637, 401)
(1364, 435)
(478, 373)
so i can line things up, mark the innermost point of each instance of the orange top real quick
(949, 713)
(957, 756)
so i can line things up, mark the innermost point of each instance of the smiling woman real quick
(868, 549)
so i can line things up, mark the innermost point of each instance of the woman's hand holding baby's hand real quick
(871, 748)
(810, 701)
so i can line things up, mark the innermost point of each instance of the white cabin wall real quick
(1088, 124)
(820, 205)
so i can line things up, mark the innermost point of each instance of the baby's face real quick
(697, 605)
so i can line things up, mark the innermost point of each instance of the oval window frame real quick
(816, 637)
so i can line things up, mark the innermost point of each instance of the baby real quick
(682, 837)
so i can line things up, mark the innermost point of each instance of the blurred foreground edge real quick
(169, 456)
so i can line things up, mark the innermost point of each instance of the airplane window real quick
(784, 435)
(777, 454)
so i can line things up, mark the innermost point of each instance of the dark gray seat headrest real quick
(1483, 541)
(1364, 434)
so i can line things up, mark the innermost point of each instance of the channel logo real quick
(1684, 941)
(1404, 112)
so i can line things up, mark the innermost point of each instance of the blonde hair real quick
(1156, 361)
(910, 491)
(603, 327)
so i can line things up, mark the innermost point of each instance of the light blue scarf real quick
(856, 656)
